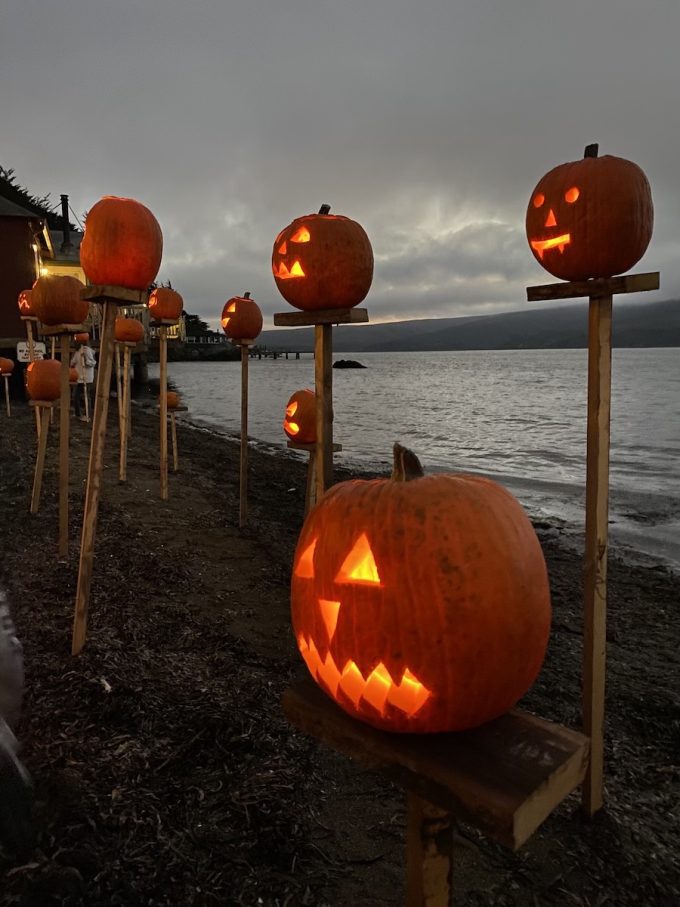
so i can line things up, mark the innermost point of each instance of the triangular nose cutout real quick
(550, 220)
(359, 566)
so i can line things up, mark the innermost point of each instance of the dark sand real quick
(164, 769)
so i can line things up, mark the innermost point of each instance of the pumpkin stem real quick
(406, 465)
(591, 150)
(246, 295)
(325, 209)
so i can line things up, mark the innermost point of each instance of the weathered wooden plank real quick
(119, 295)
(52, 330)
(322, 316)
(243, 459)
(323, 384)
(429, 855)
(505, 777)
(64, 438)
(600, 287)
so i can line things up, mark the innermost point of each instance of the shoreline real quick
(165, 771)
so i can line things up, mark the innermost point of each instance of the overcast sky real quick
(428, 121)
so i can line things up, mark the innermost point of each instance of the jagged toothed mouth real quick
(557, 242)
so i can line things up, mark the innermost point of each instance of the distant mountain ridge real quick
(635, 324)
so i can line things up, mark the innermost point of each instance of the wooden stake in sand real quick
(323, 378)
(243, 464)
(42, 408)
(163, 404)
(124, 408)
(7, 404)
(173, 434)
(64, 332)
(110, 298)
(600, 293)
(30, 320)
(310, 490)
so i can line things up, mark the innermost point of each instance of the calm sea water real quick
(518, 416)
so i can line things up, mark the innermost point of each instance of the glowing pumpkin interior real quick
(559, 240)
(283, 272)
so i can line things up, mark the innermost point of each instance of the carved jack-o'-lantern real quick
(241, 318)
(323, 261)
(165, 304)
(122, 245)
(43, 380)
(590, 218)
(56, 300)
(421, 603)
(300, 420)
(128, 330)
(24, 303)
(6, 366)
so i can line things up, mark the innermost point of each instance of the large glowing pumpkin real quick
(6, 366)
(421, 603)
(43, 380)
(590, 218)
(56, 300)
(323, 261)
(24, 303)
(122, 245)
(165, 304)
(128, 330)
(241, 318)
(300, 419)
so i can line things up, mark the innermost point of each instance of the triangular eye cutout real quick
(359, 565)
(283, 248)
(301, 235)
(305, 565)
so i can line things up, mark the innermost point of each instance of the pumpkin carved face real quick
(323, 261)
(422, 605)
(300, 420)
(241, 318)
(24, 303)
(590, 218)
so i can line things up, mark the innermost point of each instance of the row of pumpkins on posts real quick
(419, 603)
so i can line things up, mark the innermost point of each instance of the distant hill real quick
(636, 324)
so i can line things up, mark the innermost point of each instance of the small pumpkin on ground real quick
(421, 603)
(122, 245)
(56, 300)
(128, 330)
(590, 218)
(165, 304)
(300, 420)
(323, 261)
(241, 318)
(43, 380)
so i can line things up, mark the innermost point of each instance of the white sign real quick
(39, 350)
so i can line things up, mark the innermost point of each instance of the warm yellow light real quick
(559, 242)
(291, 409)
(359, 565)
(43, 271)
(538, 200)
(571, 195)
(296, 270)
(293, 427)
(550, 219)
(329, 611)
(305, 566)
(301, 235)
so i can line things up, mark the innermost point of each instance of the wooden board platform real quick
(505, 777)
(54, 330)
(120, 295)
(322, 316)
(595, 288)
(163, 322)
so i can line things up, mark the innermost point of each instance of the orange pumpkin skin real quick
(122, 245)
(165, 304)
(56, 300)
(82, 338)
(173, 399)
(24, 303)
(241, 318)
(448, 627)
(323, 261)
(43, 380)
(6, 366)
(300, 420)
(590, 218)
(128, 330)
(73, 376)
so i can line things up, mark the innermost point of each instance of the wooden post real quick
(163, 350)
(31, 357)
(119, 395)
(94, 478)
(87, 401)
(310, 488)
(429, 851)
(323, 385)
(600, 292)
(64, 431)
(243, 469)
(124, 413)
(175, 453)
(9, 408)
(43, 410)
